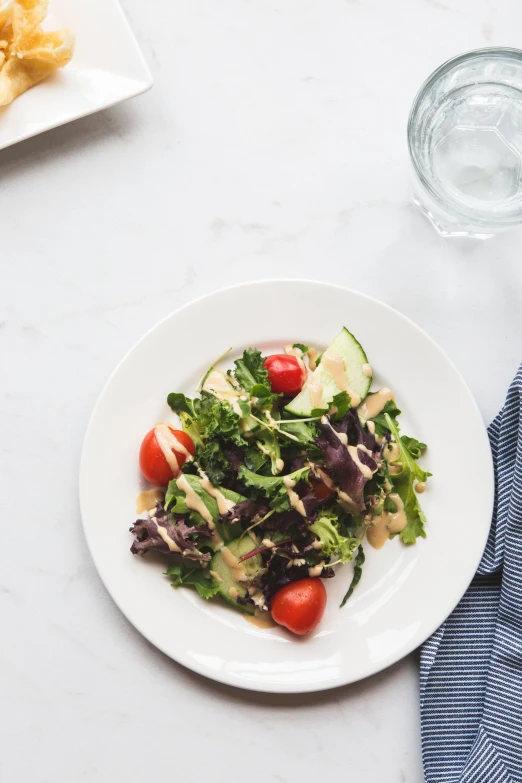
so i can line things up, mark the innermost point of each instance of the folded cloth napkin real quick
(471, 668)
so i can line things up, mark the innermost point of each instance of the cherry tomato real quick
(153, 463)
(320, 489)
(285, 373)
(299, 606)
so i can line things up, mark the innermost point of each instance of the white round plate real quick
(405, 592)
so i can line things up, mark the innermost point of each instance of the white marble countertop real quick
(273, 144)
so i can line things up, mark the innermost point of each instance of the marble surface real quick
(273, 144)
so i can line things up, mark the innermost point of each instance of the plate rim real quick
(223, 676)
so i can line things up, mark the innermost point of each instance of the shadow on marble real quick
(118, 121)
(365, 688)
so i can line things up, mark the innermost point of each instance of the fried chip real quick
(6, 7)
(28, 54)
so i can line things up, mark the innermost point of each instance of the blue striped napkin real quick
(471, 668)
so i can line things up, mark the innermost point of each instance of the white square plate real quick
(107, 67)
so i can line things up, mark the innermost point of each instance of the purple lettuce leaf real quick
(340, 464)
(357, 435)
(246, 509)
(311, 503)
(286, 522)
(148, 536)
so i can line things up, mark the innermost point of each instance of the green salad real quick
(282, 469)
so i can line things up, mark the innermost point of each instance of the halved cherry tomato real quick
(299, 606)
(285, 373)
(153, 463)
(321, 490)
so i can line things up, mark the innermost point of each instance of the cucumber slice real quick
(227, 579)
(355, 362)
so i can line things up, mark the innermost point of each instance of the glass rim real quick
(444, 199)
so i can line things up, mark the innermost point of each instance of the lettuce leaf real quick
(415, 447)
(332, 542)
(381, 425)
(305, 432)
(341, 403)
(175, 499)
(186, 575)
(272, 487)
(357, 573)
(404, 483)
(341, 467)
(147, 534)
(270, 443)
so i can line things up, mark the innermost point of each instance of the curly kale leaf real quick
(250, 371)
(272, 487)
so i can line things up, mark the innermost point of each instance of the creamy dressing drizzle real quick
(374, 403)
(319, 473)
(224, 505)
(381, 527)
(173, 441)
(291, 351)
(295, 500)
(215, 575)
(237, 568)
(316, 393)
(193, 501)
(392, 452)
(345, 497)
(167, 442)
(217, 541)
(398, 520)
(218, 384)
(312, 358)
(257, 597)
(316, 570)
(279, 464)
(233, 593)
(334, 365)
(261, 619)
(165, 536)
(378, 532)
(367, 370)
(147, 500)
(353, 451)
(371, 427)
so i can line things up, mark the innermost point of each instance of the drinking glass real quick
(465, 144)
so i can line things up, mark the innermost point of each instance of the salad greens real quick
(280, 489)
